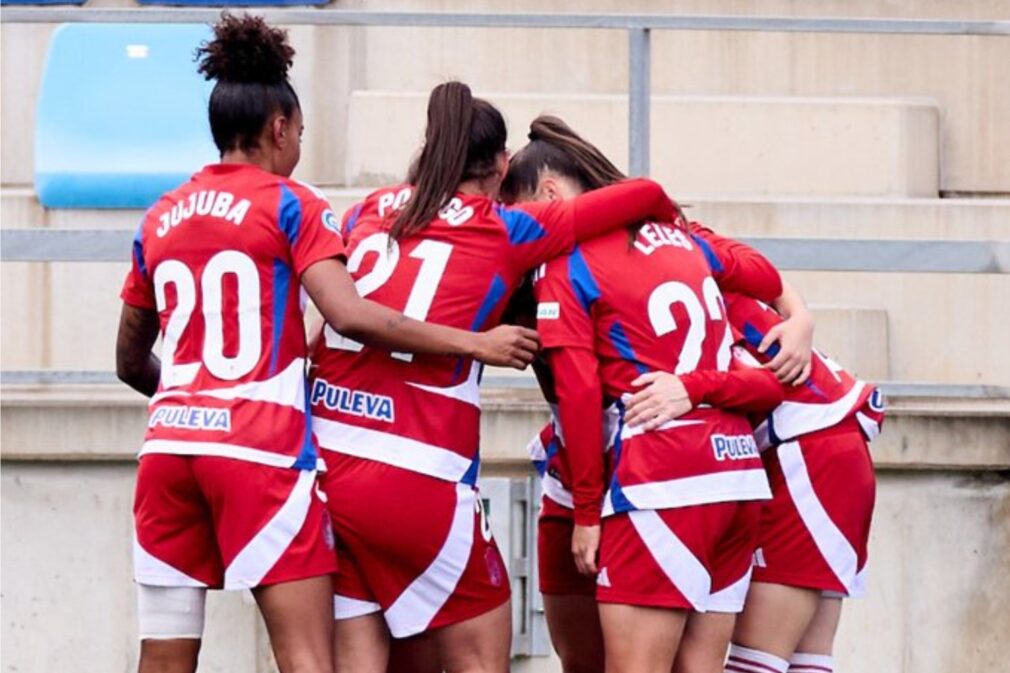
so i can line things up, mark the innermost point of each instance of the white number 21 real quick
(434, 256)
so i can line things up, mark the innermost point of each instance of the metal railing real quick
(638, 26)
(798, 254)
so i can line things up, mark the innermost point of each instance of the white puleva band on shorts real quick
(831, 542)
(345, 607)
(170, 612)
(680, 566)
(732, 598)
(414, 609)
(251, 565)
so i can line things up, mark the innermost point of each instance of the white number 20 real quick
(434, 256)
(250, 341)
(663, 322)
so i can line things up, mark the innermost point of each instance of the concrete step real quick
(745, 215)
(703, 144)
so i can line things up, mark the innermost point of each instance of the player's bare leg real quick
(418, 654)
(574, 625)
(478, 645)
(775, 617)
(704, 643)
(299, 620)
(361, 644)
(639, 639)
(175, 655)
(819, 637)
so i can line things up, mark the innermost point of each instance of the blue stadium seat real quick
(41, 2)
(232, 3)
(122, 115)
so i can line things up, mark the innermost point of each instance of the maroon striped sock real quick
(746, 660)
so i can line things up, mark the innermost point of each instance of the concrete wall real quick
(938, 587)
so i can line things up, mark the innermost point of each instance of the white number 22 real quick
(663, 322)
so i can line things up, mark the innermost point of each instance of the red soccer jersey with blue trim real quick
(422, 413)
(829, 396)
(635, 306)
(220, 259)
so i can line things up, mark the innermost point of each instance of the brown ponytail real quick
(555, 146)
(463, 137)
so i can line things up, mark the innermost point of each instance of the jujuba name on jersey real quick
(734, 447)
(204, 203)
(353, 402)
(652, 236)
(191, 418)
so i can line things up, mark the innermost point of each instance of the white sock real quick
(801, 662)
(746, 660)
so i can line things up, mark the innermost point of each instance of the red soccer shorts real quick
(219, 522)
(814, 530)
(694, 558)
(555, 563)
(415, 547)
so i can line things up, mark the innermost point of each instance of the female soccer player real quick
(401, 433)
(559, 162)
(226, 488)
(678, 517)
(812, 545)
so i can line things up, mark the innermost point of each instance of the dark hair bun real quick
(246, 50)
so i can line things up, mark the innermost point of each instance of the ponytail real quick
(556, 147)
(463, 137)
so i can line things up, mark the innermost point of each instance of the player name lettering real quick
(205, 202)
(191, 418)
(734, 447)
(653, 236)
(353, 402)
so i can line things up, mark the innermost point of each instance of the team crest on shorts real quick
(495, 572)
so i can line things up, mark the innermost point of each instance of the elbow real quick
(349, 324)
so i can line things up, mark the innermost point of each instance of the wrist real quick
(472, 344)
(694, 387)
(587, 516)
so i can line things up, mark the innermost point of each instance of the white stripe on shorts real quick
(731, 598)
(680, 566)
(414, 609)
(831, 542)
(261, 554)
(152, 571)
(345, 607)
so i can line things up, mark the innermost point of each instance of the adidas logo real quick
(603, 579)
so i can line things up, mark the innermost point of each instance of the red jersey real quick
(220, 259)
(422, 413)
(622, 308)
(829, 396)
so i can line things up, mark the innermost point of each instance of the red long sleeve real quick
(744, 389)
(580, 410)
(604, 210)
(737, 267)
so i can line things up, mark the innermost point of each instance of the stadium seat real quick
(231, 3)
(122, 115)
(41, 2)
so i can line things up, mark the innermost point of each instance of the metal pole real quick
(639, 85)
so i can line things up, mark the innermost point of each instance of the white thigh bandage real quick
(170, 612)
